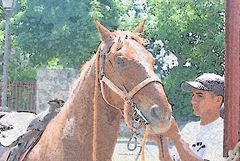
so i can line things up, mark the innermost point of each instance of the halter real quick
(123, 93)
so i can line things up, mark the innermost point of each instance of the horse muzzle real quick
(159, 119)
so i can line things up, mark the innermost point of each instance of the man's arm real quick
(184, 152)
(183, 149)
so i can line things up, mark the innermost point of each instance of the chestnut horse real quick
(119, 75)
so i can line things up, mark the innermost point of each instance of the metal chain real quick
(132, 141)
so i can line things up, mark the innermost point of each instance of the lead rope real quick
(144, 141)
(94, 154)
(160, 144)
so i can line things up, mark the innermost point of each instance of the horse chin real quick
(160, 127)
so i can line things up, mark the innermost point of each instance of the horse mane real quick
(83, 71)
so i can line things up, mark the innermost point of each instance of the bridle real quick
(127, 96)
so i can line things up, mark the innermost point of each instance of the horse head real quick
(127, 79)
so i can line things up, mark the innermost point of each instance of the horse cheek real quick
(112, 116)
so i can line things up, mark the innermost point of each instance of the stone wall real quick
(54, 83)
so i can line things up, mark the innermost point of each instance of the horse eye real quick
(121, 61)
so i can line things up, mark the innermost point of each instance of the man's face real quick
(203, 102)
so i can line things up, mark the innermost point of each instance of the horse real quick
(117, 80)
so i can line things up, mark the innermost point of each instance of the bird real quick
(43, 118)
(56, 103)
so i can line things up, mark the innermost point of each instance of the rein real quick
(129, 104)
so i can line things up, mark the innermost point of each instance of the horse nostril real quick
(160, 113)
(155, 112)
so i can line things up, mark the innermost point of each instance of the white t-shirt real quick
(205, 140)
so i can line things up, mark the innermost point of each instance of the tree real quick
(108, 12)
(55, 30)
(194, 32)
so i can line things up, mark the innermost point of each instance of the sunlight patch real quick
(69, 128)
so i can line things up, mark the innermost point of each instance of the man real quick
(202, 140)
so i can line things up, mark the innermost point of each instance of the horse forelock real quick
(123, 35)
(119, 38)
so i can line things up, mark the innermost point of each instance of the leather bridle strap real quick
(112, 86)
(141, 85)
(124, 94)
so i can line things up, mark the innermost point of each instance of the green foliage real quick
(180, 99)
(57, 33)
(111, 13)
(26, 74)
(18, 66)
(190, 29)
(194, 32)
(51, 28)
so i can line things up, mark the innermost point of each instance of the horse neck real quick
(81, 129)
(100, 121)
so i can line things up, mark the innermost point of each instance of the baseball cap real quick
(207, 81)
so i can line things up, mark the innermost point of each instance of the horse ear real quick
(140, 26)
(104, 32)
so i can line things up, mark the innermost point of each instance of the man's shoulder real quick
(192, 124)
(217, 124)
(196, 124)
(190, 131)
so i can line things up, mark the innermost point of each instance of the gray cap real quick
(207, 81)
